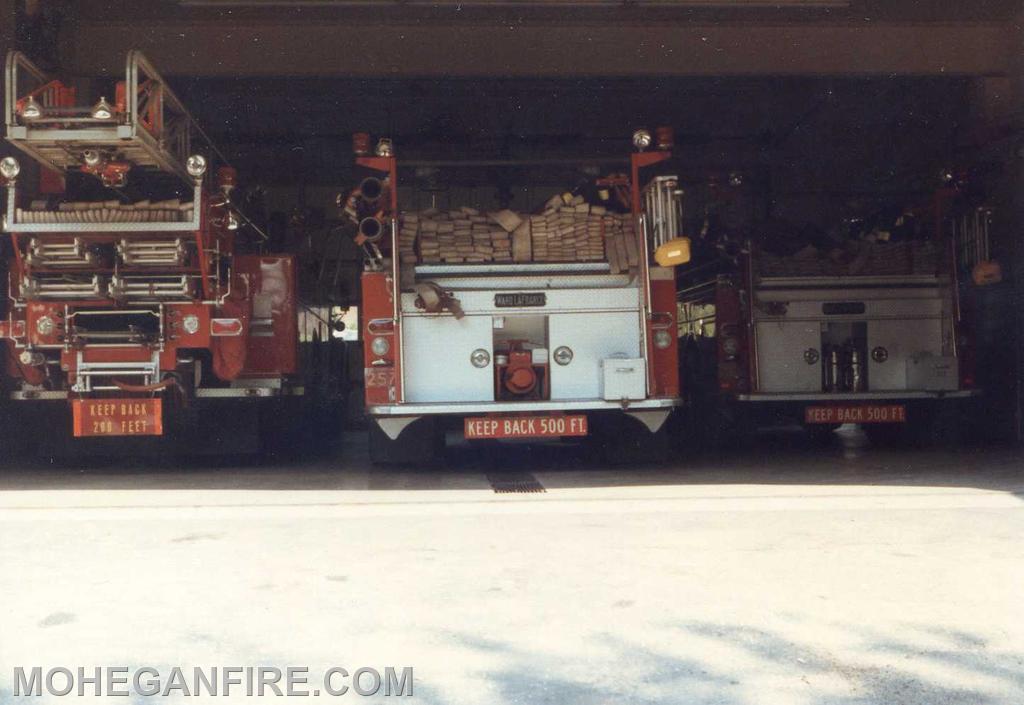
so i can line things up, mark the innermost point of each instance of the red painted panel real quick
(381, 379)
(730, 323)
(51, 182)
(230, 353)
(272, 349)
(664, 361)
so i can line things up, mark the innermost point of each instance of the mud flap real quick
(653, 419)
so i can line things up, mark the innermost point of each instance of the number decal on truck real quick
(380, 377)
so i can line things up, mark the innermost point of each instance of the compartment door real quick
(592, 337)
(902, 339)
(436, 358)
(780, 356)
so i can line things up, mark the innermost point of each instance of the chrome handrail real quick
(154, 115)
(15, 61)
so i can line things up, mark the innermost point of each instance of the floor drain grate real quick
(520, 483)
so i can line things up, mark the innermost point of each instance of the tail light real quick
(662, 338)
(731, 339)
(380, 334)
(380, 326)
(226, 327)
(729, 344)
(663, 355)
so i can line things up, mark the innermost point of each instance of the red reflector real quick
(225, 326)
(380, 326)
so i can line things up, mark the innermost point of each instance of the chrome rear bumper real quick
(493, 407)
(393, 418)
(857, 396)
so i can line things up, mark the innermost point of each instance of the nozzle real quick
(371, 189)
(371, 229)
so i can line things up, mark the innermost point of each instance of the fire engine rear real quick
(869, 329)
(517, 325)
(130, 313)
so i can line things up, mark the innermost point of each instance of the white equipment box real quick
(623, 378)
(932, 373)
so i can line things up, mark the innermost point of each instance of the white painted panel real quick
(592, 337)
(780, 356)
(624, 379)
(437, 366)
(902, 339)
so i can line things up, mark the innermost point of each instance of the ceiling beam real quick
(235, 47)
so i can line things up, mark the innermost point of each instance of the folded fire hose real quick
(436, 300)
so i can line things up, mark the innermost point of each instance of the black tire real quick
(713, 422)
(885, 434)
(420, 443)
(821, 433)
(618, 439)
(721, 426)
(283, 433)
(941, 425)
(935, 425)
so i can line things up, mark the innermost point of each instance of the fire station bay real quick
(670, 297)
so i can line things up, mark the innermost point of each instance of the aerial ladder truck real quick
(130, 317)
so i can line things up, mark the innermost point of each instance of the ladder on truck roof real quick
(145, 125)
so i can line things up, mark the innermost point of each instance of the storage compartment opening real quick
(521, 358)
(125, 327)
(844, 348)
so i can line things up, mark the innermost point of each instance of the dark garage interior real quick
(513, 351)
(826, 111)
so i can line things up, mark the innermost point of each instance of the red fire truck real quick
(126, 315)
(870, 329)
(553, 324)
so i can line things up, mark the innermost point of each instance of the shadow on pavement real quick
(728, 664)
(777, 456)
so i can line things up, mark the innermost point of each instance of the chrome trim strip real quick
(458, 408)
(858, 396)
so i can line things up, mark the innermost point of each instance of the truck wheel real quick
(720, 427)
(622, 440)
(884, 434)
(943, 425)
(927, 426)
(420, 443)
(821, 433)
(282, 433)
